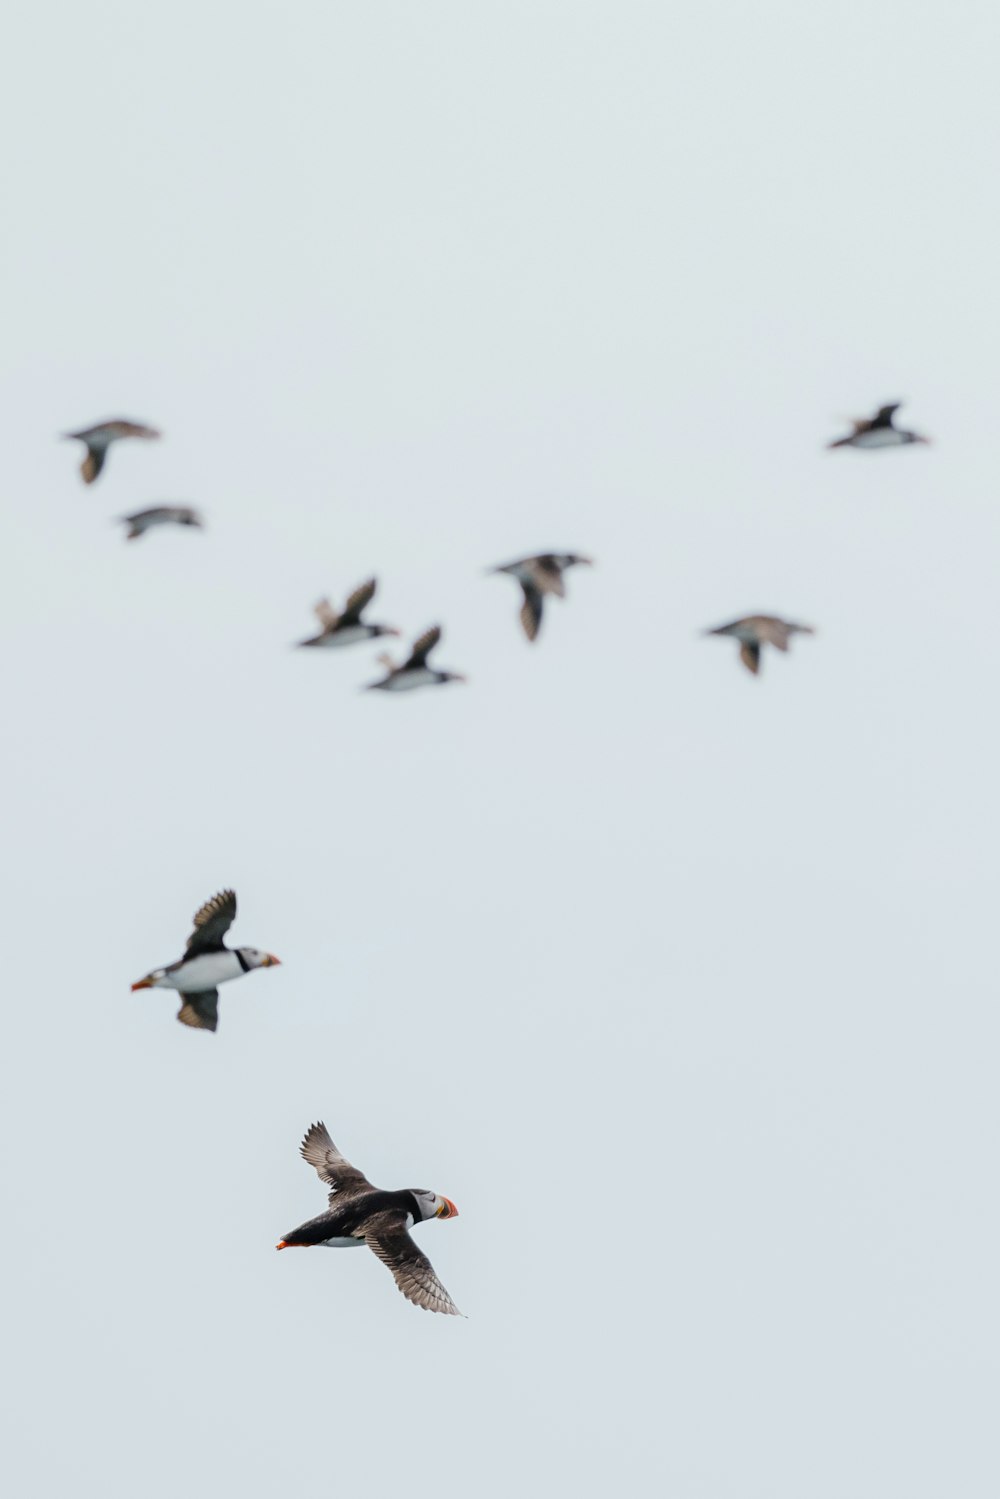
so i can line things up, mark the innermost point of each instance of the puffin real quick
(98, 439)
(362, 1214)
(878, 432)
(347, 628)
(160, 515)
(758, 630)
(207, 962)
(538, 576)
(415, 671)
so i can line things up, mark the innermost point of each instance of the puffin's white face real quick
(434, 1206)
(254, 958)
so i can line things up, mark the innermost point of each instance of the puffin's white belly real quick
(422, 677)
(882, 437)
(204, 972)
(348, 1243)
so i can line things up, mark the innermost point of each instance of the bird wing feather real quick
(331, 1167)
(211, 923)
(386, 1236)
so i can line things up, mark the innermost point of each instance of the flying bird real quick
(160, 515)
(98, 439)
(538, 576)
(878, 432)
(415, 672)
(347, 628)
(758, 630)
(362, 1214)
(207, 962)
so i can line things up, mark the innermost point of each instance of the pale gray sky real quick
(681, 984)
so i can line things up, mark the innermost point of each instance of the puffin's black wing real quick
(212, 923)
(531, 610)
(386, 1236)
(200, 1010)
(883, 416)
(358, 603)
(331, 1167)
(93, 462)
(422, 648)
(750, 655)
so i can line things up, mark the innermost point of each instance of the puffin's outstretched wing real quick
(326, 614)
(386, 1236)
(344, 1179)
(423, 647)
(358, 603)
(212, 923)
(750, 655)
(200, 1010)
(531, 610)
(883, 416)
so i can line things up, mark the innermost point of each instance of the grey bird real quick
(360, 1214)
(538, 576)
(160, 515)
(347, 628)
(415, 670)
(757, 630)
(878, 431)
(98, 439)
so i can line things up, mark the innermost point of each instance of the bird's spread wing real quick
(93, 462)
(200, 1010)
(883, 416)
(212, 923)
(531, 610)
(423, 647)
(326, 614)
(358, 602)
(774, 631)
(331, 1167)
(386, 1235)
(548, 576)
(750, 656)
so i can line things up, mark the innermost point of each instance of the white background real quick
(682, 984)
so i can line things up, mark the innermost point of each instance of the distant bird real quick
(160, 515)
(878, 432)
(415, 672)
(98, 439)
(757, 630)
(362, 1214)
(207, 961)
(347, 628)
(538, 576)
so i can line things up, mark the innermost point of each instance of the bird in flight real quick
(415, 671)
(878, 431)
(538, 576)
(160, 515)
(362, 1214)
(98, 439)
(757, 630)
(347, 628)
(207, 962)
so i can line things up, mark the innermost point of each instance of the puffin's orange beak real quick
(449, 1210)
(285, 1245)
(142, 984)
(270, 961)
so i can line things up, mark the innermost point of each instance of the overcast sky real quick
(681, 984)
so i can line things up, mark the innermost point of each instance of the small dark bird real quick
(758, 630)
(538, 576)
(207, 962)
(415, 671)
(347, 628)
(98, 439)
(160, 515)
(362, 1214)
(878, 432)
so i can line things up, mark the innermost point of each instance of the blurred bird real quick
(98, 439)
(538, 576)
(362, 1214)
(347, 628)
(160, 515)
(757, 630)
(415, 671)
(207, 962)
(878, 432)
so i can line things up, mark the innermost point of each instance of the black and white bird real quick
(98, 439)
(347, 628)
(415, 671)
(362, 1214)
(757, 630)
(160, 515)
(207, 962)
(878, 432)
(538, 576)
